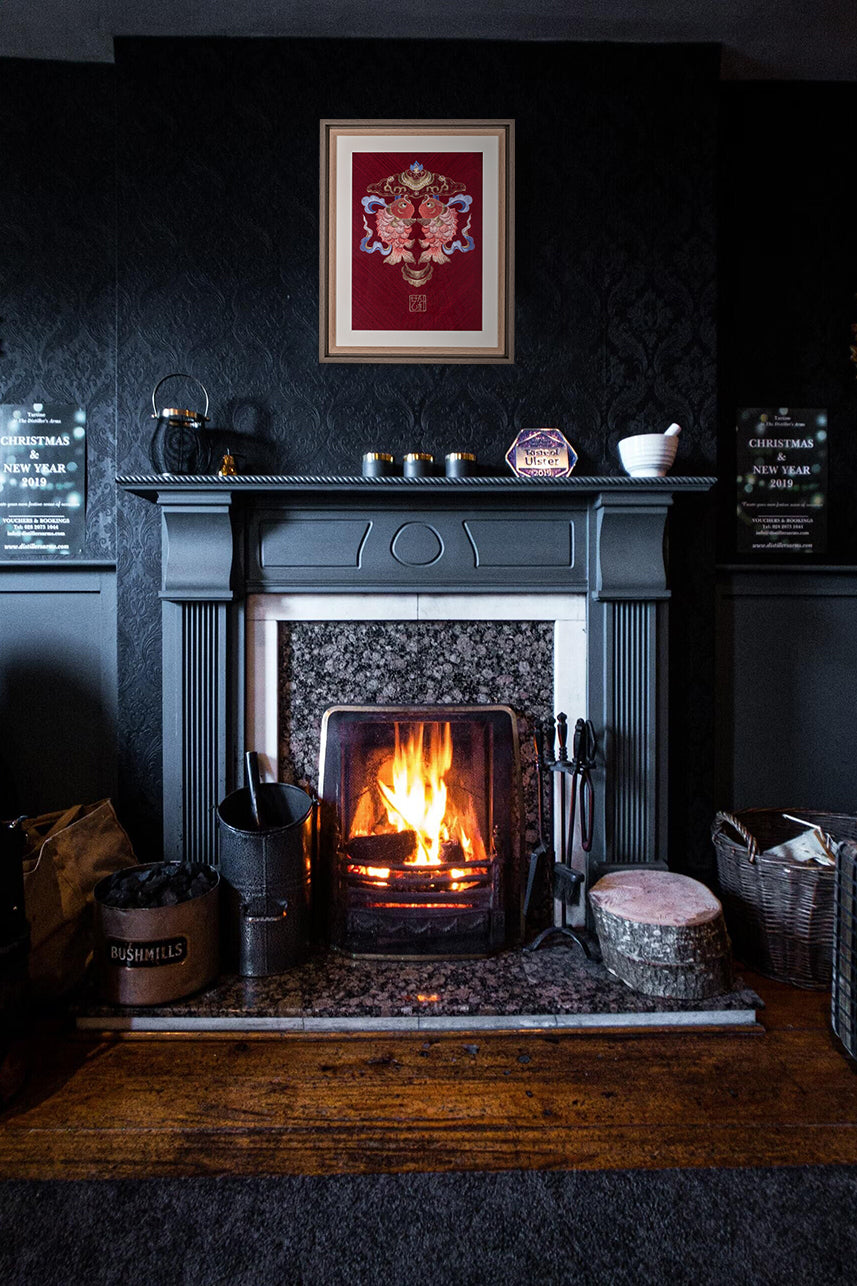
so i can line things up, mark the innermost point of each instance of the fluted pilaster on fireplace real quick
(602, 538)
(199, 666)
(628, 671)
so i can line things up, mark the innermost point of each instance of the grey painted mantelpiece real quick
(225, 538)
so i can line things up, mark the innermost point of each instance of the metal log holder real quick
(575, 791)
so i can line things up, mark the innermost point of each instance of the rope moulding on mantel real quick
(286, 481)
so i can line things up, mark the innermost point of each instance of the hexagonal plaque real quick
(541, 453)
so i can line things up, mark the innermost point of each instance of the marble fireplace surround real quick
(241, 554)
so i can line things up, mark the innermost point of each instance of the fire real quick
(414, 795)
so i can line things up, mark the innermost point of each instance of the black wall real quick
(218, 269)
(786, 664)
(57, 344)
(788, 277)
(58, 259)
(163, 215)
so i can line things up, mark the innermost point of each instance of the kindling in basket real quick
(779, 912)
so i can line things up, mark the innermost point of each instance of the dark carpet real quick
(626, 1228)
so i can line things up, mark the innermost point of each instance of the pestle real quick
(673, 431)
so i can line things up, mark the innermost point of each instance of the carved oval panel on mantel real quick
(416, 544)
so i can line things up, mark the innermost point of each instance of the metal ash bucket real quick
(266, 875)
(156, 932)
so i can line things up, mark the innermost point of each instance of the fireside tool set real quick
(576, 807)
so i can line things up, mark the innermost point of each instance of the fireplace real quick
(421, 817)
(231, 543)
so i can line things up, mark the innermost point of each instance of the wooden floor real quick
(294, 1104)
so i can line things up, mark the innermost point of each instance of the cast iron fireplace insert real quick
(420, 830)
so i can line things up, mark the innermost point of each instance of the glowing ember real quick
(425, 906)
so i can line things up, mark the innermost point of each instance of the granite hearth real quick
(553, 989)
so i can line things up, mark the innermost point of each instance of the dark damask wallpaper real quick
(787, 299)
(218, 270)
(211, 242)
(57, 256)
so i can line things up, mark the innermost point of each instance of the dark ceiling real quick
(761, 39)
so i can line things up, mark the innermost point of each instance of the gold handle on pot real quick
(179, 375)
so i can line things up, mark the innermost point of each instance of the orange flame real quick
(416, 797)
(414, 794)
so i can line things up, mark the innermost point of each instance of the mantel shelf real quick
(161, 486)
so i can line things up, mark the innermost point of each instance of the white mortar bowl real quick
(648, 455)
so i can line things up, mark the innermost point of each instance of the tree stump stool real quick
(662, 934)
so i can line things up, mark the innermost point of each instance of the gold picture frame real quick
(416, 256)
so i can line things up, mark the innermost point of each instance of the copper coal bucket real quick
(154, 955)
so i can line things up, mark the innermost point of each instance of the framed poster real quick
(782, 480)
(416, 254)
(42, 480)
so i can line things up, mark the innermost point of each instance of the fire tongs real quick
(565, 880)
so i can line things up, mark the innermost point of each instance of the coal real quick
(165, 884)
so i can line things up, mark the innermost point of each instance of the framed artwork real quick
(416, 255)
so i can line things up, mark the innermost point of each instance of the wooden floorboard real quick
(119, 1107)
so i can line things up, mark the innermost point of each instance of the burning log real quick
(382, 850)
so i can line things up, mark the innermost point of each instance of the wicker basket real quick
(843, 1001)
(779, 913)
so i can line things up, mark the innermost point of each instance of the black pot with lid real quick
(179, 443)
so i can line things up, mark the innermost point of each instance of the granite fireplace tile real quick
(556, 986)
(228, 997)
(573, 984)
(325, 663)
(337, 985)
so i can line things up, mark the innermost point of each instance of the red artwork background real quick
(381, 298)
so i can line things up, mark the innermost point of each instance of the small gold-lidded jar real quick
(418, 464)
(460, 464)
(377, 464)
